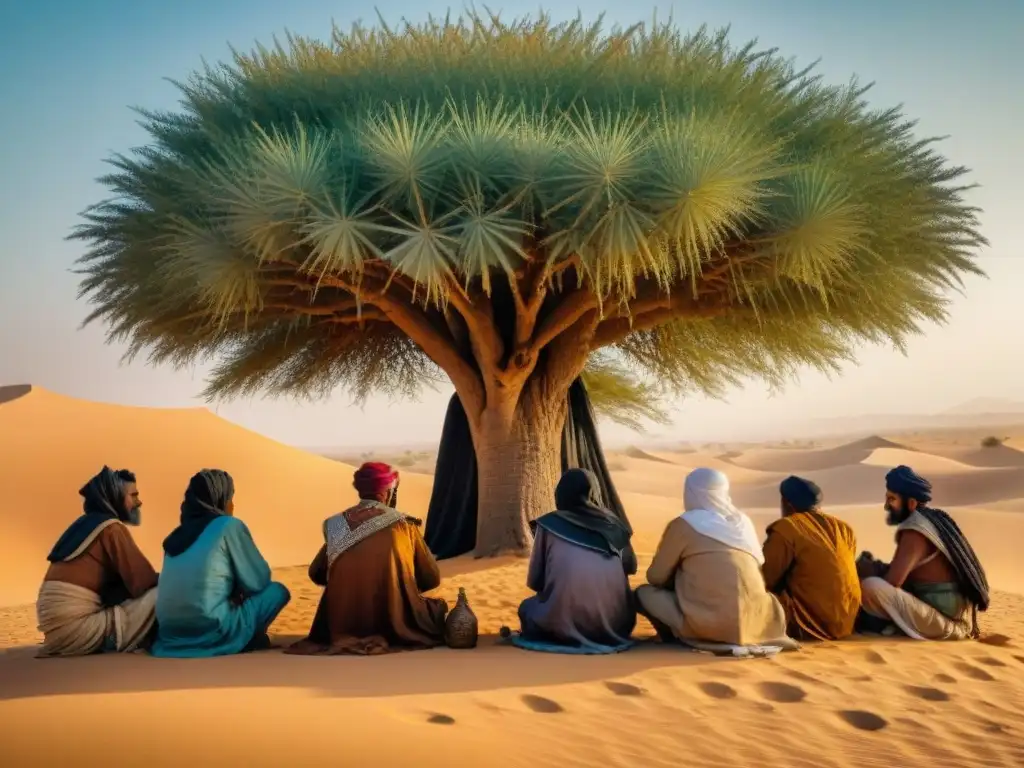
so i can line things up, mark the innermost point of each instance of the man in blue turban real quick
(934, 579)
(809, 564)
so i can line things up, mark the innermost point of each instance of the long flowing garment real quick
(810, 565)
(583, 596)
(75, 622)
(216, 597)
(99, 594)
(375, 566)
(703, 590)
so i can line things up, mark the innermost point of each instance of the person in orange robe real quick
(374, 566)
(810, 565)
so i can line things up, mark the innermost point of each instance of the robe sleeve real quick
(252, 573)
(127, 560)
(779, 553)
(668, 555)
(318, 568)
(536, 574)
(428, 574)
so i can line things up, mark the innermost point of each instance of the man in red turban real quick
(377, 481)
(374, 566)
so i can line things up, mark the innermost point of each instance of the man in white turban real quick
(705, 581)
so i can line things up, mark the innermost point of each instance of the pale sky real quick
(69, 71)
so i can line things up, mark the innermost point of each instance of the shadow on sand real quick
(490, 666)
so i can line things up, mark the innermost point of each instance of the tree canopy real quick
(464, 193)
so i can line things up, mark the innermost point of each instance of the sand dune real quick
(864, 702)
(997, 456)
(923, 463)
(781, 460)
(52, 444)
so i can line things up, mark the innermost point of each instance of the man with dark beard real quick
(99, 593)
(934, 578)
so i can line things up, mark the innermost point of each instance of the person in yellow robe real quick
(810, 565)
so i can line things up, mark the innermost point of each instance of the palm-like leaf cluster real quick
(464, 193)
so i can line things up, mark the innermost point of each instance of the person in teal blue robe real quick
(216, 597)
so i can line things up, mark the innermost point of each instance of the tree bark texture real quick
(518, 459)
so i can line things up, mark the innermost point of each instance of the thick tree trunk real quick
(518, 459)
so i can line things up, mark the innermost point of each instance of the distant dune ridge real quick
(479, 708)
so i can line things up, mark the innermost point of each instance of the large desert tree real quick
(500, 201)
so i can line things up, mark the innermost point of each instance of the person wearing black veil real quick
(580, 567)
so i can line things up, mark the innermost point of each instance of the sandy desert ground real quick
(856, 703)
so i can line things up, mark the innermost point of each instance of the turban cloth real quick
(374, 478)
(802, 494)
(905, 482)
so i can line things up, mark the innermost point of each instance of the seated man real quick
(216, 597)
(934, 577)
(705, 581)
(100, 590)
(580, 569)
(374, 566)
(810, 565)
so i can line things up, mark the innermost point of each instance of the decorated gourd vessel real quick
(461, 628)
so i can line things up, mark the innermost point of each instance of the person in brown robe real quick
(99, 592)
(810, 565)
(374, 566)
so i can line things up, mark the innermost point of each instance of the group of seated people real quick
(710, 581)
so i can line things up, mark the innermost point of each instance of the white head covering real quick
(709, 510)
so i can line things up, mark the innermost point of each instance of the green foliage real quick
(619, 395)
(302, 190)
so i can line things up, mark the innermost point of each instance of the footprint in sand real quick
(718, 690)
(862, 720)
(926, 693)
(875, 657)
(990, 662)
(1000, 641)
(439, 719)
(990, 726)
(782, 693)
(974, 673)
(541, 705)
(797, 675)
(944, 678)
(623, 689)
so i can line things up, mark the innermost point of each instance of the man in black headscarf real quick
(579, 570)
(99, 593)
(809, 565)
(934, 579)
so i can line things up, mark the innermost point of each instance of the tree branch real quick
(436, 343)
(484, 339)
(565, 314)
(651, 313)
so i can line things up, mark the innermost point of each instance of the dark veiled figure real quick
(579, 570)
(452, 516)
